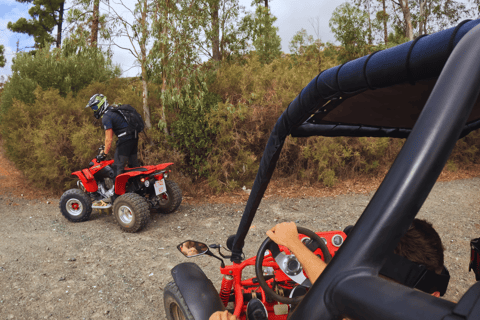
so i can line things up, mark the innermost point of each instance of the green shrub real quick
(217, 137)
(190, 132)
(50, 138)
(66, 71)
(467, 150)
(54, 136)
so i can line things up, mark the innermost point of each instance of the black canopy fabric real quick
(378, 95)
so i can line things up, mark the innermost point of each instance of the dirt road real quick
(54, 269)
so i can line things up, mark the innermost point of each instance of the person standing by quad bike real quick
(132, 192)
(114, 121)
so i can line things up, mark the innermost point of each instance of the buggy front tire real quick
(75, 205)
(175, 305)
(131, 212)
(170, 201)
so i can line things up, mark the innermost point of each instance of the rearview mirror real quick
(192, 248)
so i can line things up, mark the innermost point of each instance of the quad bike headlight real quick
(147, 183)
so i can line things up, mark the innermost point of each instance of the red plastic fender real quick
(121, 180)
(90, 184)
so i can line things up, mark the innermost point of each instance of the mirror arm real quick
(223, 256)
(210, 253)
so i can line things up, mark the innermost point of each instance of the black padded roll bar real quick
(349, 286)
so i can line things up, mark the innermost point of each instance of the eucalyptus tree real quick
(349, 26)
(265, 2)
(84, 15)
(428, 16)
(134, 25)
(383, 16)
(264, 34)
(223, 30)
(407, 17)
(434, 15)
(178, 34)
(300, 42)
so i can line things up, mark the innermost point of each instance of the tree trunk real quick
(95, 21)
(164, 60)
(164, 88)
(385, 32)
(266, 4)
(146, 109)
(370, 37)
(216, 32)
(423, 18)
(59, 25)
(407, 18)
(143, 49)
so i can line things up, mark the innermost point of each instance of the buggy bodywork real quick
(426, 90)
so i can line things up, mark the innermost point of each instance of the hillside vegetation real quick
(51, 134)
(211, 118)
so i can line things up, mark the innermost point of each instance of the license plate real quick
(160, 187)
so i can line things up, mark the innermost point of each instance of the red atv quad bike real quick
(280, 281)
(135, 193)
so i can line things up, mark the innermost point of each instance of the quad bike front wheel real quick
(169, 201)
(175, 306)
(131, 211)
(76, 205)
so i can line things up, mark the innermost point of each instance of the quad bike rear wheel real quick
(169, 201)
(131, 211)
(175, 306)
(76, 205)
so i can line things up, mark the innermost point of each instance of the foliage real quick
(264, 35)
(467, 150)
(327, 159)
(349, 26)
(224, 34)
(2, 56)
(46, 14)
(55, 135)
(47, 139)
(301, 42)
(191, 134)
(182, 83)
(82, 20)
(304, 45)
(253, 95)
(68, 70)
(213, 119)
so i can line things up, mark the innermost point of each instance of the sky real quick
(291, 17)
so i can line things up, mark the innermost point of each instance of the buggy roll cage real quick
(426, 90)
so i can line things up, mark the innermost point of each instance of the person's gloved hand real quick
(102, 156)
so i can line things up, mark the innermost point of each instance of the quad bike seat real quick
(135, 169)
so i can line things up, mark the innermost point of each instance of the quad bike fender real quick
(87, 179)
(121, 179)
(163, 165)
(197, 290)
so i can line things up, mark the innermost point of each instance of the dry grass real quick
(14, 182)
(286, 188)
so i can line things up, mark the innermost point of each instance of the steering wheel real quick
(288, 264)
